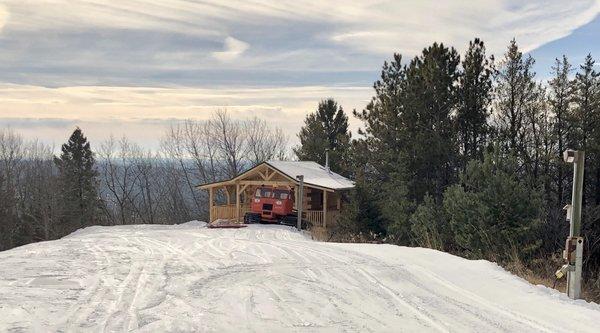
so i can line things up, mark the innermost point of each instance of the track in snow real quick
(264, 278)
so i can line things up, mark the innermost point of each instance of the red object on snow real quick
(227, 226)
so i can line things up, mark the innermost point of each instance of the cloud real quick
(3, 17)
(403, 26)
(124, 62)
(232, 49)
(112, 110)
(371, 27)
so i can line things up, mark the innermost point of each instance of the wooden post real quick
(324, 209)
(210, 204)
(237, 201)
(228, 194)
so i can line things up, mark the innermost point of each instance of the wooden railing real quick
(316, 217)
(227, 212)
(223, 212)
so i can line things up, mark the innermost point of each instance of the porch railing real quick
(227, 212)
(316, 217)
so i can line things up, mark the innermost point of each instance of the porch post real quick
(228, 194)
(237, 201)
(324, 209)
(210, 204)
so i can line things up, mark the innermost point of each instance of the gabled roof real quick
(314, 174)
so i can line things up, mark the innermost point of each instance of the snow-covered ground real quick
(264, 279)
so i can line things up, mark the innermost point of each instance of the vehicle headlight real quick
(256, 200)
(278, 202)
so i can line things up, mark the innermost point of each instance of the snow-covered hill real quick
(265, 279)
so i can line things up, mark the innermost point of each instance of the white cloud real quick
(232, 49)
(408, 26)
(73, 43)
(102, 106)
(3, 17)
(375, 26)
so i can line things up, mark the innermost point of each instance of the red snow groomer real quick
(272, 205)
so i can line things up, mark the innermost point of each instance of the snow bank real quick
(194, 223)
(189, 278)
(134, 227)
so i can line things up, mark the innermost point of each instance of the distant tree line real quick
(116, 182)
(464, 154)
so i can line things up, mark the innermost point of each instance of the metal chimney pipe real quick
(327, 159)
(300, 200)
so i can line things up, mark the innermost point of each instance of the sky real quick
(134, 67)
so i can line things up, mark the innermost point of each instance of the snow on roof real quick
(314, 174)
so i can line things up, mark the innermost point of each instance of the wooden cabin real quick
(322, 189)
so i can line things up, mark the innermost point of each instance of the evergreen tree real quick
(381, 154)
(78, 181)
(429, 226)
(326, 130)
(429, 147)
(587, 131)
(409, 143)
(474, 102)
(560, 101)
(587, 125)
(493, 212)
(515, 94)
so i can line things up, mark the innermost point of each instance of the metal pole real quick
(574, 275)
(578, 166)
(299, 200)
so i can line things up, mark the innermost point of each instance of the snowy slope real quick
(264, 279)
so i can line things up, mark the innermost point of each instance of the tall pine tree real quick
(326, 130)
(560, 101)
(474, 102)
(587, 131)
(515, 93)
(78, 182)
(430, 148)
(409, 142)
(587, 125)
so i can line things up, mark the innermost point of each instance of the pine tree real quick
(587, 125)
(587, 131)
(79, 184)
(515, 94)
(326, 130)
(493, 210)
(408, 148)
(430, 146)
(429, 226)
(474, 102)
(560, 101)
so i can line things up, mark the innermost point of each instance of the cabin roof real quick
(314, 175)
